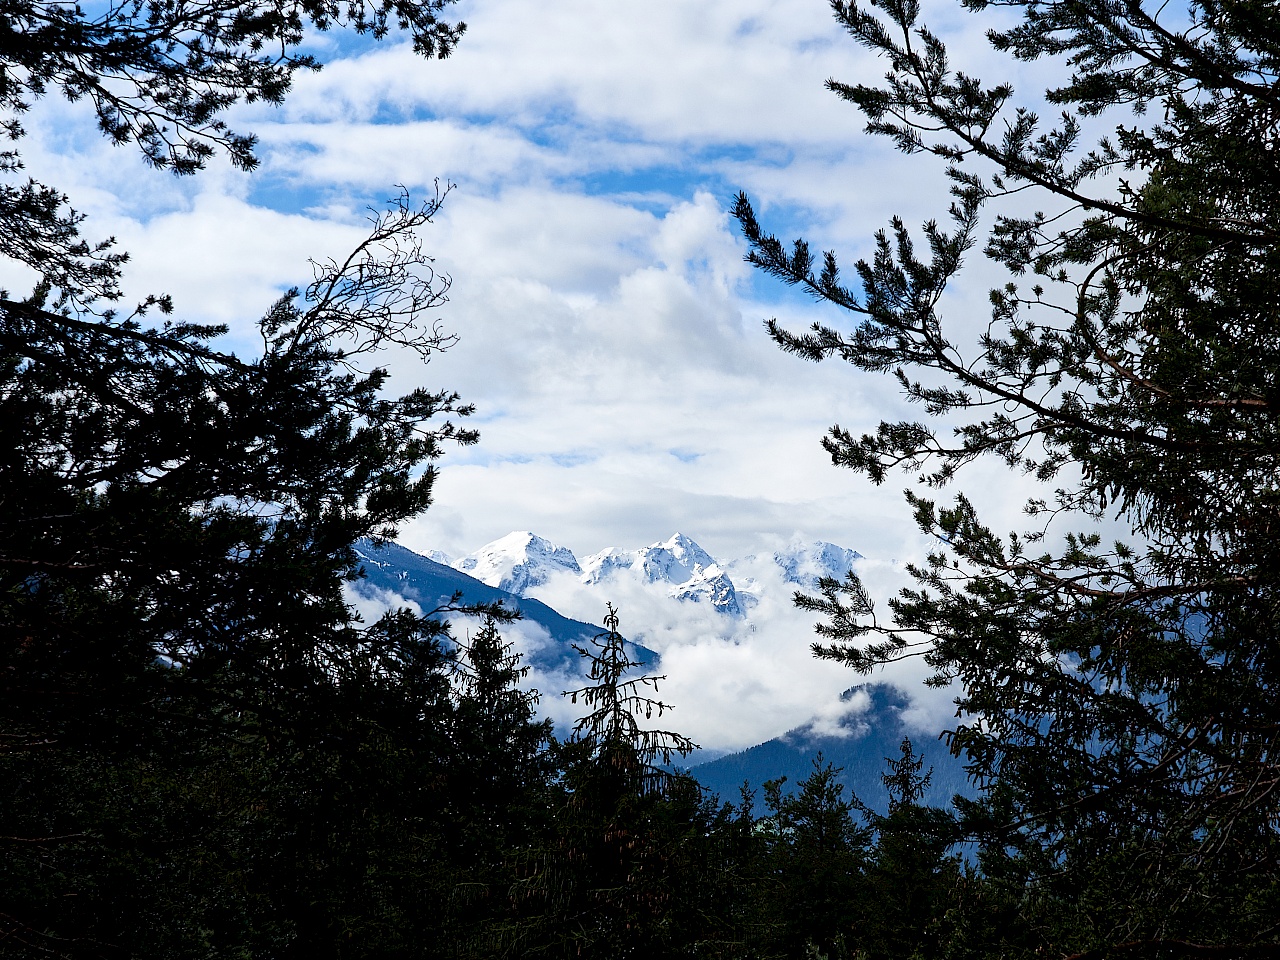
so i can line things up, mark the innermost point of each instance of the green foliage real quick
(161, 73)
(500, 745)
(204, 752)
(611, 729)
(833, 878)
(911, 878)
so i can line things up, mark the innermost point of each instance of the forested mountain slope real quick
(868, 737)
(402, 573)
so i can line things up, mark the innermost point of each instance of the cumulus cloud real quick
(610, 332)
(735, 682)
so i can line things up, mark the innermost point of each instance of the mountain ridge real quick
(867, 739)
(521, 562)
(399, 571)
(863, 737)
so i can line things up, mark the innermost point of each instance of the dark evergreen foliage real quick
(189, 707)
(1119, 700)
(625, 871)
(160, 74)
(911, 877)
(204, 751)
(817, 854)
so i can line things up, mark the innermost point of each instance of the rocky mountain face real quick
(679, 567)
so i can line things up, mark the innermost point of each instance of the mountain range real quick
(511, 569)
(400, 574)
(521, 562)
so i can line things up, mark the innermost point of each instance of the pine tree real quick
(1119, 701)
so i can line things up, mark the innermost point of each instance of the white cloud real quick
(736, 682)
(610, 332)
(370, 603)
(710, 72)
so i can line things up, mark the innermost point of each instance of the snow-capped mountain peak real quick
(805, 563)
(678, 567)
(518, 562)
(601, 566)
(677, 560)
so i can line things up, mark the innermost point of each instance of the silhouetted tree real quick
(628, 873)
(160, 75)
(1118, 701)
(815, 891)
(910, 878)
(176, 530)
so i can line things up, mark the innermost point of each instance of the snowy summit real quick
(518, 562)
(678, 568)
(689, 573)
(805, 563)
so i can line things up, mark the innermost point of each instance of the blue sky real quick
(610, 335)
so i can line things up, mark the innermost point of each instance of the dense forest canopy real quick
(205, 752)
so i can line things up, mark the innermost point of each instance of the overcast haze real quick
(611, 336)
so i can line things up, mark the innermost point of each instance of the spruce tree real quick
(911, 876)
(504, 749)
(628, 871)
(815, 890)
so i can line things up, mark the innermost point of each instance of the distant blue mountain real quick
(874, 735)
(400, 571)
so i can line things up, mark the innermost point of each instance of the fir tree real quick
(815, 892)
(503, 747)
(910, 878)
(628, 873)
